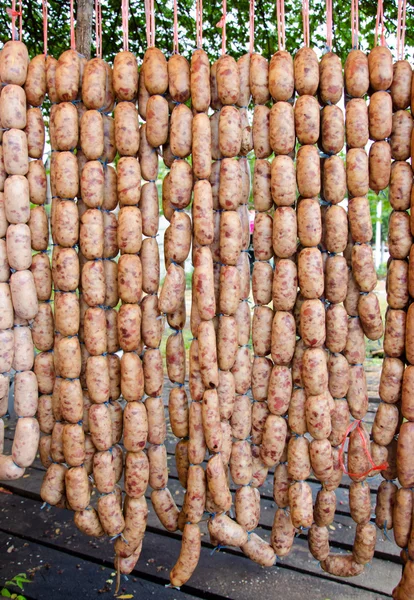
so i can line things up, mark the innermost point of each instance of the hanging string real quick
(222, 24)
(199, 23)
(125, 32)
(44, 11)
(329, 25)
(98, 28)
(72, 27)
(150, 22)
(175, 41)
(280, 18)
(305, 19)
(20, 21)
(251, 27)
(402, 13)
(379, 23)
(13, 13)
(354, 24)
(356, 425)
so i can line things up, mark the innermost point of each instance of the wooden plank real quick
(53, 574)
(223, 575)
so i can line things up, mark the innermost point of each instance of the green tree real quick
(237, 26)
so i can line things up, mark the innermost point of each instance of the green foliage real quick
(382, 271)
(237, 26)
(17, 581)
(385, 214)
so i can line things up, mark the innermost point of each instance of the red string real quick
(150, 22)
(367, 453)
(280, 18)
(175, 41)
(329, 24)
(251, 26)
(44, 11)
(222, 24)
(305, 19)
(354, 23)
(380, 23)
(98, 28)
(402, 13)
(72, 27)
(13, 13)
(125, 32)
(199, 23)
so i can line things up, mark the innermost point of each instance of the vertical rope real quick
(329, 25)
(44, 11)
(305, 20)
(222, 24)
(13, 13)
(379, 23)
(280, 18)
(20, 21)
(354, 24)
(150, 22)
(402, 13)
(251, 26)
(98, 28)
(199, 23)
(72, 27)
(125, 32)
(175, 41)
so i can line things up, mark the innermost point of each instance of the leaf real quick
(125, 597)
(5, 593)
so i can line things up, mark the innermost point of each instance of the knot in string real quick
(356, 425)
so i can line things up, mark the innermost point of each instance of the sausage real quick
(308, 173)
(356, 123)
(300, 501)
(379, 165)
(356, 73)
(227, 532)
(380, 68)
(306, 70)
(283, 181)
(331, 81)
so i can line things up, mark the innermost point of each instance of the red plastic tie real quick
(352, 426)
(13, 13)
